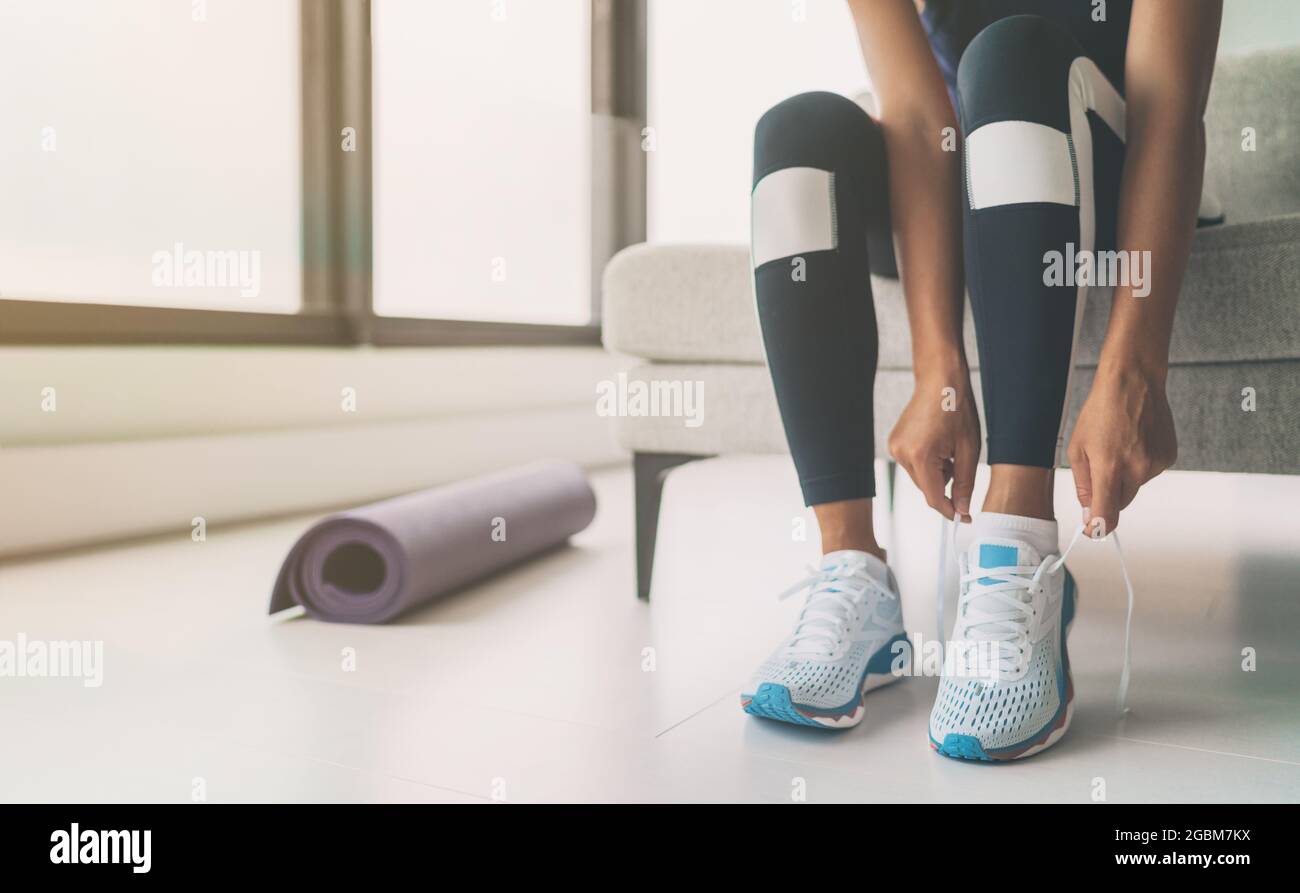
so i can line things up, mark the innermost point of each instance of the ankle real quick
(1021, 490)
(847, 525)
(837, 544)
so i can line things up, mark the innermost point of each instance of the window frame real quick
(337, 210)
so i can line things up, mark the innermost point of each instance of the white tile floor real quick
(555, 683)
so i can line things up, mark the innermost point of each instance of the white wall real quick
(715, 67)
(1259, 24)
(100, 443)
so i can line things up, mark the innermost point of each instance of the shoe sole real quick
(773, 701)
(968, 747)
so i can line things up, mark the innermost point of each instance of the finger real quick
(1107, 486)
(929, 477)
(963, 477)
(1082, 482)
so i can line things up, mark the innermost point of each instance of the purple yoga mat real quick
(370, 564)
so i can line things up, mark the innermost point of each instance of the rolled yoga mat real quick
(370, 564)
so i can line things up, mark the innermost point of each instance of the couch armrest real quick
(681, 303)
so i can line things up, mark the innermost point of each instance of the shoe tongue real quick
(847, 558)
(994, 552)
(842, 564)
(997, 552)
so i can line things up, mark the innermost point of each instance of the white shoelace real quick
(835, 594)
(1011, 624)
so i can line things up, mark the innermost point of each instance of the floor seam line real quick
(688, 717)
(1221, 753)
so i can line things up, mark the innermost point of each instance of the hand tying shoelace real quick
(835, 594)
(1007, 626)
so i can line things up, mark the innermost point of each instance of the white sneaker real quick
(848, 635)
(1008, 692)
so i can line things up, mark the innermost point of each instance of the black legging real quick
(1040, 123)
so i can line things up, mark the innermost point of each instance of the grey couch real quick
(686, 313)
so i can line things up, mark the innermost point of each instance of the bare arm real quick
(1167, 72)
(924, 180)
(918, 122)
(1125, 433)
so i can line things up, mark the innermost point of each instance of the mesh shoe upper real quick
(815, 683)
(852, 611)
(1011, 602)
(999, 714)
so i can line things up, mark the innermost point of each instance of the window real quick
(482, 160)
(150, 153)
(297, 171)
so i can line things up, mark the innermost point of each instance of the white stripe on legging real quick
(792, 211)
(1018, 162)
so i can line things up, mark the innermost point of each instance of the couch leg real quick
(649, 471)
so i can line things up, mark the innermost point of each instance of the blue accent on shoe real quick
(961, 747)
(1068, 596)
(1071, 594)
(997, 556)
(773, 702)
(882, 661)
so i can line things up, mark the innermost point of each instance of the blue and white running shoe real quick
(848, 636)
(1006, 691)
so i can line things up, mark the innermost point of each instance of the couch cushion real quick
(694, 303)
(738, 413)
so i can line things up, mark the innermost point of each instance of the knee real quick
(1017, 68)
(815, 109)
(817, 129)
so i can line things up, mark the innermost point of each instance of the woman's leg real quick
(820, 224)
(1043, 132)
(819, 212)
(1043, 141)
